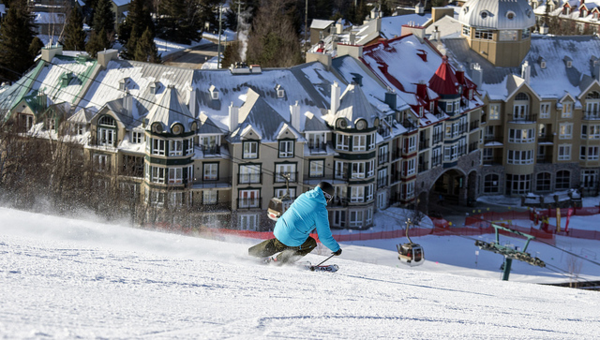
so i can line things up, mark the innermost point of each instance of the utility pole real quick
(219, 46)
(305, 26)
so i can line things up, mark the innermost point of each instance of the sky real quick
(80, 278)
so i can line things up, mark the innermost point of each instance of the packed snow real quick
(73, 278)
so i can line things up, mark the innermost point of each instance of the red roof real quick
(444, 80)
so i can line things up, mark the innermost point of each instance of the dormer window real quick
(280, 91)
(153, 87)
(214, 93)
(123, 84)
(484, 14)
(510, 15)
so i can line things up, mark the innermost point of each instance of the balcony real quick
(210, 150)
(317, 148)
(423, 166)
(522, 118)
(249, 203)
(278, 178)
(489, 139)
(423, 144)
(463, 128)
(382, 182)
(339, 202)
(474, 125)
(211, 182)
(250, 178)
(546, 139)
(396, 154)
(395, 177)
(591, 115)
(473, 146)
(409, 125)
(436, 160)
(383, 158)
(438, 137)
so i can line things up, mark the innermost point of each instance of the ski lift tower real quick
(508, 252)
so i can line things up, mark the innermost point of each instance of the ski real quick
(322, 268)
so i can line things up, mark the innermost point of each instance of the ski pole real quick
(332, 255)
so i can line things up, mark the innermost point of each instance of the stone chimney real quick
(295, 116)
(105, 56)
(435, 35)
(50, 51)
(544, 29)
(422, 90)
(390, 99)
(596, 69)
(335, 97)
(526, 71)
(351, 50)
(234, 113)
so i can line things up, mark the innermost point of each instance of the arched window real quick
(563, 180)
(107, 121)
(543, 181)
(490, 184)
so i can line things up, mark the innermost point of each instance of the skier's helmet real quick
(328, 190)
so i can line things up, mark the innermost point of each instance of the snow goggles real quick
(328, 197)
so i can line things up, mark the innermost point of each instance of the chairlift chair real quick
(410, 253)
(278, 205)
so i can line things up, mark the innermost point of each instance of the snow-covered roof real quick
(170, 110)
(45, 18)
(497, 14)
(321, 24)
(552, 81)
(392, 26)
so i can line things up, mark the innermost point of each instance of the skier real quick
(292, 229)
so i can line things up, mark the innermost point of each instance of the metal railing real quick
(474, 125)
(424, 166)
(383, 158)
(317, 147)
(528, 117)
(278, 178)
(249, 203)
(423, 144)
(249, 178)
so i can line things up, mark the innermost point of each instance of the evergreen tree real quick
(146, 48)
(98, 42)
(231, 54)
(35, 47)
(104, 18)
(273, 41)
(181, 20)
(138, 21)
(74, 33)
(16, 35)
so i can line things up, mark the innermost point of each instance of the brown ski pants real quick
(288, 254)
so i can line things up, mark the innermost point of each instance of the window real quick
(316, 141)
(158, 147)
(106, 137)
(285, 169)
(521, 136)
(343, 142)
(317, 168)
(371, 141)
(250, 150)
(564, 152)
(359, 143)
(137, 137)
(158, 174)
(286, 149)
(490, 184)
(176, 199)
(175, 175)
(436, 157)
(369, 192)
(486, 35)
(545, 110)
(338, 218)
(520, 157)
(494, 112)
(358, 170)
(590, 151)
(210, 171)
(488, 154)
(520, 111)
(248, 222)
(410, 144)
(249, 174)
(518, 184)
(357, 194)
(508, 35)
(157, 199)
(249, 199)
(101, 163)
(411, 167)
(543, 182)
(567, 110)
(542, 130)
(175, 147)
(565, 131)
(369, 217)
(210, 144)
(382, 178)
(408, 190)
(563, 180)
(594, 132)
(341, 170)
(356, 218)
(209, 197)
(280, 192)
(589, 179)
(383, 156)
(466, 31)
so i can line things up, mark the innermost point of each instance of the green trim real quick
(211, 163)
(279, 148)
(257, 148)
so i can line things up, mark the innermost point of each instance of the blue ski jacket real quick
(308, 211)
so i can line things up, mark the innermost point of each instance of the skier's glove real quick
(338, 252)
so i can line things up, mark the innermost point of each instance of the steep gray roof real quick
(353, 106)
(170, 110)
(260, 117)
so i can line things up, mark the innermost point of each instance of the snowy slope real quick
(63, 278)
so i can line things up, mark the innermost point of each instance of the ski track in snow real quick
(53, 286)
